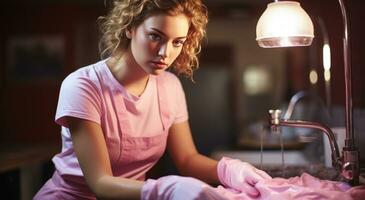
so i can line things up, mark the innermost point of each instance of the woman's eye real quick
(178, 43)
(154, 37)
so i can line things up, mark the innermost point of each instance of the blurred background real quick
(42, 41)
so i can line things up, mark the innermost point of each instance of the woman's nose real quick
(164, 50)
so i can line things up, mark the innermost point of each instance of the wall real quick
(28, 104)
(240, 34)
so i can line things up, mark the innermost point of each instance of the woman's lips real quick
(159, 65)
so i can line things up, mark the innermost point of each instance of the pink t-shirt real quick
(92, 93)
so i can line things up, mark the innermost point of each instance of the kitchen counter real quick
(28, 158)
(17, 155)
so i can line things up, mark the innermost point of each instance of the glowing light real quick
(256, 80)
(326, 57)
(327, 75)
(313, 77)
(284, 19)
(284, 41)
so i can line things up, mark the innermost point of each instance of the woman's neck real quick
(128, 73)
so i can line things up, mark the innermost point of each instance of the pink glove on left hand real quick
(240, 176)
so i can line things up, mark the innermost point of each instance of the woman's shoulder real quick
(168, 77)
(170, 82)
(84, 77)
(87, 73)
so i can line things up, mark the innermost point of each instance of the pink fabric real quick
(298, 188)
(59, 188)
(92, 93)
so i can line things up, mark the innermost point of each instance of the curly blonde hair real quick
(127, 14)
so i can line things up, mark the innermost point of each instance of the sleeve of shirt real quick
(181, 111)
(78, 98)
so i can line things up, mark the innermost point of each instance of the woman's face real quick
(158, 41)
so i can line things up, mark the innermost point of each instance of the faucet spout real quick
(275, 121)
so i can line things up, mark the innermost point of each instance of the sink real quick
(320, 171)
(295, 163)
(270, 158)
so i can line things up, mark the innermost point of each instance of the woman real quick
(118, 115)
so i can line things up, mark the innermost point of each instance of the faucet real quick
(347, 165)
(299, 96)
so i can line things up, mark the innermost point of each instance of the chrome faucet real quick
(299, 96)
(347, 165)
(293, 101)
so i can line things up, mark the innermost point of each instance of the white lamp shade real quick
(284, 24)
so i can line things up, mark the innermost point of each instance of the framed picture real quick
(31, 58)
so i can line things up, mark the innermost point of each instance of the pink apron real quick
(131, 157)
(139, 154)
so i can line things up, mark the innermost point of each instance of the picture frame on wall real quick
(35, 58)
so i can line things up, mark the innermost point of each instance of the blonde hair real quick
(127, 14)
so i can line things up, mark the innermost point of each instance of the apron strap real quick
(162, 102)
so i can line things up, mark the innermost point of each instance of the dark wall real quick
(329, 11)
(29, 94)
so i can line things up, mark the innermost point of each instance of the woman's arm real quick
(187, 159)
(92, 154)
(233, 173)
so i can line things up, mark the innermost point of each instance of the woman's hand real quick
(240, 176)
(178, 188)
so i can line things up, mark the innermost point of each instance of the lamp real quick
(285, 24)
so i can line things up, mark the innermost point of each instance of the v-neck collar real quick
(121, 109)
(127, 95)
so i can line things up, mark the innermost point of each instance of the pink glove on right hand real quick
(240, 176)
(178, 188)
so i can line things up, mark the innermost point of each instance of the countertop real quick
(16, 155)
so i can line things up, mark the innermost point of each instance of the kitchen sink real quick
(295, 163)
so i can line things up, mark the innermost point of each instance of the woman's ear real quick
(128, 33)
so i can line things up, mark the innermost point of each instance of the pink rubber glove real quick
(240, 176)
(178, 188)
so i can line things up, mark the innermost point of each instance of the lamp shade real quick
(284, 24)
